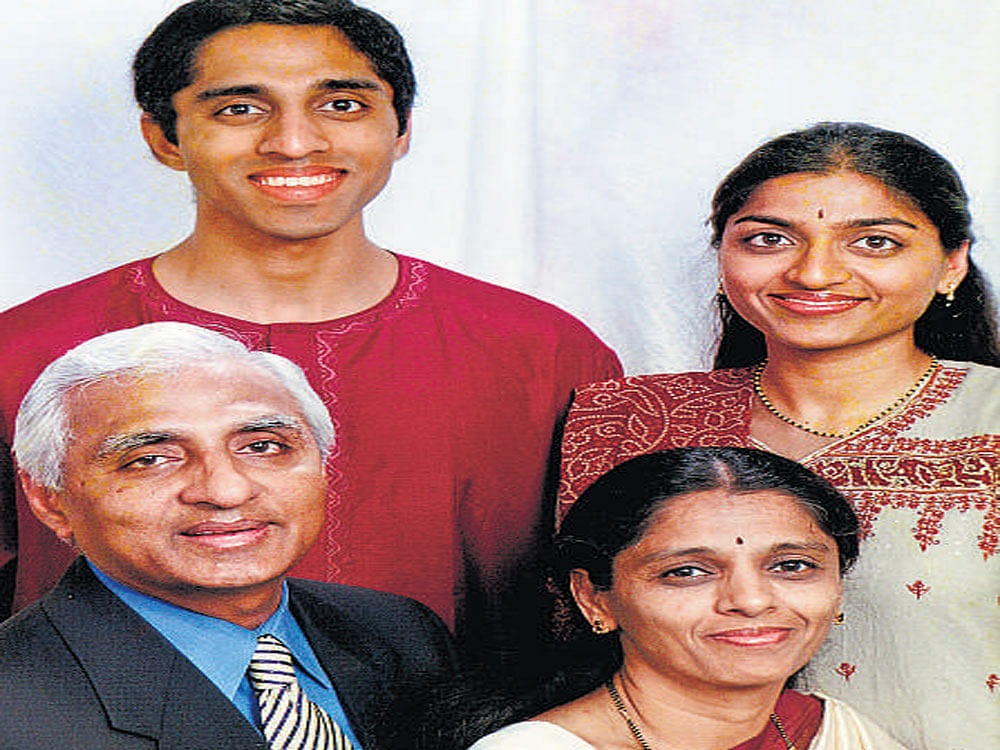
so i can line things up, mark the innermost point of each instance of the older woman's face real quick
(724, 589)
(820, 261)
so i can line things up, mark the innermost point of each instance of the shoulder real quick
(844, 727)
(678, 386)
(79, 296)
(43, 328)
(479, 300)
(532, 735)
(356, 612)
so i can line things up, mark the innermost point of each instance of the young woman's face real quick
(722, 591)
(824, 261)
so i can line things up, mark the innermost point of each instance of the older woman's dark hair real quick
(165, 62)
(963, 330)
(615, 511)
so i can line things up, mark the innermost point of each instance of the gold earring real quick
(838, 619)
(600, 628)
(720, 290)
(949, 297)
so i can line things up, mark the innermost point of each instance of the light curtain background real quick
(566, 148)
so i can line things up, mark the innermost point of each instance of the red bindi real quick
(739, 540)
(819, 214)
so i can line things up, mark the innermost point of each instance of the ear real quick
(167, 153)
(47, 505)
(956, 267)
(591, 600)
(402, 146)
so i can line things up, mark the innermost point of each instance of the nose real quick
(818, 265)
(219, 481)
(293, 134)
(745, 591)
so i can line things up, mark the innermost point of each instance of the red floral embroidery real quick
(992, 681)
(878, 468)
(845, 670)
(918, 588)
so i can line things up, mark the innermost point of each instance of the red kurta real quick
(444, 397)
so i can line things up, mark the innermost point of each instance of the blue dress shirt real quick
(222, 650)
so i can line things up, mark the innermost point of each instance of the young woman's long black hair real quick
(965, 329)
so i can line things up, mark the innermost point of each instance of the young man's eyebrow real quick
(350, 84)
(222, 91)
(252, 89)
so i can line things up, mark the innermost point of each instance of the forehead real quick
(845, 193)
(257, 52)
(194, 398)
(717, 516)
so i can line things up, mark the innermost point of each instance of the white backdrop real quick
(567, 148)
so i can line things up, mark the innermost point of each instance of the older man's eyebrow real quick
(116, 444)
(273, 422)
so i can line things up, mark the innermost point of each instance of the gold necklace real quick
(759, 390)
(619, 704)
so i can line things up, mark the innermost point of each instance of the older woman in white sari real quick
(709, 577)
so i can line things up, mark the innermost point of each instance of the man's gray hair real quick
(42, 431)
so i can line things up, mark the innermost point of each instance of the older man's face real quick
(200, 487)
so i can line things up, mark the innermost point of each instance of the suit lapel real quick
(356, 669)
(146, 686)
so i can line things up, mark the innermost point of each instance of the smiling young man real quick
(287, 116)
(188, 472)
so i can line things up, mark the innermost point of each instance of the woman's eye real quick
(767, 239)
(875, 243)
(794, 566)
(684, 571)
(240, 109)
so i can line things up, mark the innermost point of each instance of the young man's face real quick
(286, 132)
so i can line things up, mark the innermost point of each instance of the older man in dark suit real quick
(188, 471)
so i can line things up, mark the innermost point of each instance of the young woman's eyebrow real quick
(878, 221)
(763, 220)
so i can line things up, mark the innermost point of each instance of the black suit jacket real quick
(81, 670)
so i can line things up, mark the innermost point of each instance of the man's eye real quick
(265, 446)
(240, 109)
(146, 462)
(768, 239)
(343, 106)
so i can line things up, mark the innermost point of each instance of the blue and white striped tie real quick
(289, 720)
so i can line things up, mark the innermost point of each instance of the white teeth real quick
(311, 181)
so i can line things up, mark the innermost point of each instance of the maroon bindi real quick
(739, 540)
(819, 214)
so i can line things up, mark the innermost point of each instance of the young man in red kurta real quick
(445, 391)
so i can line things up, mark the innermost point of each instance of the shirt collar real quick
(220, 649)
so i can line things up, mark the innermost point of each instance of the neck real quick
(840, 389)
(685, 717)
(267, 280)
(247, 608)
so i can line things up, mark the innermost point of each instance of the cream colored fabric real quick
(842, 729)
(920, 648)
